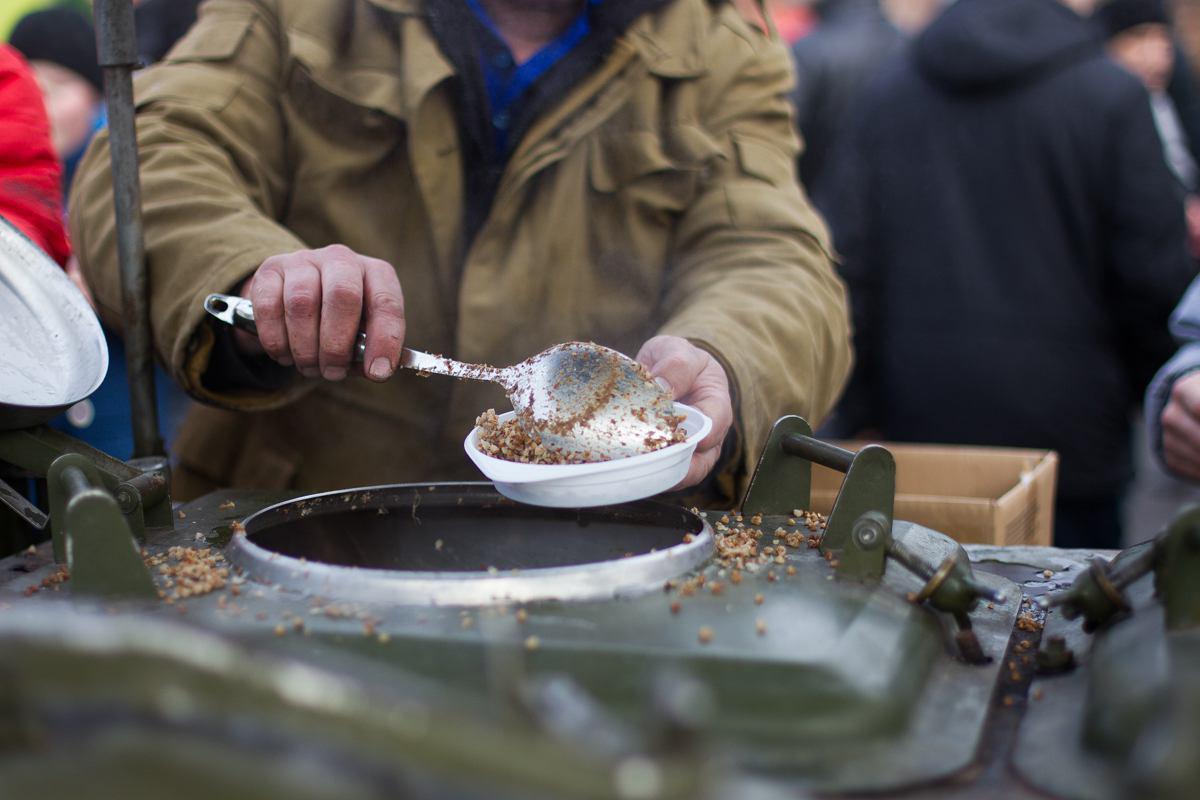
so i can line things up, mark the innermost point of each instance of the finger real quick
(266, 293)
(341, 310)
(301, 312)
(715, 404)
(1186, 392)
(655, 350)
(711, 396)
(679, 365)
(1184, 464)
(247, 343)
(384, 302)
(1180, 429)
(702, 463)
(1180, 440)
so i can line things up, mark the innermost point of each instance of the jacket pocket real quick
(340, 95)
(636, 167)
(187, 73)
(617, 160)
(764, 161)
(216, 37)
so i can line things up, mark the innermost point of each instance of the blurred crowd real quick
(52, 52)
(1016, 216)
(1012, 188)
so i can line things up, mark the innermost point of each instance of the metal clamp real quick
(140, 486)
(953, 589)
(1098, 594)
(91, 535)
(858, 536)
(859, 529)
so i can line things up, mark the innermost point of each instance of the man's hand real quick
(694, 377)
(1181, 427)
(308, 306)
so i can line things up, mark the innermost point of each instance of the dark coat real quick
(1017, 243)
(834, 64)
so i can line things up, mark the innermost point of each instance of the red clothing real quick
(30, 175)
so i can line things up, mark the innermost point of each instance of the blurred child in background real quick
(60, 46)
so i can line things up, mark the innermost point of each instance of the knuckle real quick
(337, 251)
(274, 264)
(652, 348)
(301, 303)
(386, 304)
(268, 307)
(274, 344)
(343, 295)
(380, 267)
(673, 364)
(333, 352)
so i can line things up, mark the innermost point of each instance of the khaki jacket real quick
(659, 197)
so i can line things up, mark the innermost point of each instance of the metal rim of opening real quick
(601, 580)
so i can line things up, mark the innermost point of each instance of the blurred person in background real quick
(30, 175)
(11, 11)
(791, 18)
(1173, 397)
(60, 46)
(30, 201)
(161, 23)
(834, 63)
(1014, 244)
(1140, 40)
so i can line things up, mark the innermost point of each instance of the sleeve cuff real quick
(1184, 363)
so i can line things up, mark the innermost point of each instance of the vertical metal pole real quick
(117, 48)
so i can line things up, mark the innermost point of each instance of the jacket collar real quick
(668, 41)
(400, 6)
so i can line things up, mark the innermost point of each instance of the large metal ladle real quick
(579, 398)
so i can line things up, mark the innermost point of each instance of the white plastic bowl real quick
(600, 484)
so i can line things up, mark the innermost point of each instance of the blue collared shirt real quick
(505, 81)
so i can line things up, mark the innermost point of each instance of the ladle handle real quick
(238, 312)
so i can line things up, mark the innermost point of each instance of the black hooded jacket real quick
(834, 64)
(1013, 241)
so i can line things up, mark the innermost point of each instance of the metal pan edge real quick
(52, 348)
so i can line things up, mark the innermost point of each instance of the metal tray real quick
(52, 350)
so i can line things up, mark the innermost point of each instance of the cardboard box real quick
(976, 495)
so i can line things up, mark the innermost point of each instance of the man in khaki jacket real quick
(481, 178)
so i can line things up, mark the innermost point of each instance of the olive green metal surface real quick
(841, 672)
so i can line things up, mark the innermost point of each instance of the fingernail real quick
(334, 373)
(310, 372)
(665, 385)
(285, 361)
(380, 368)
